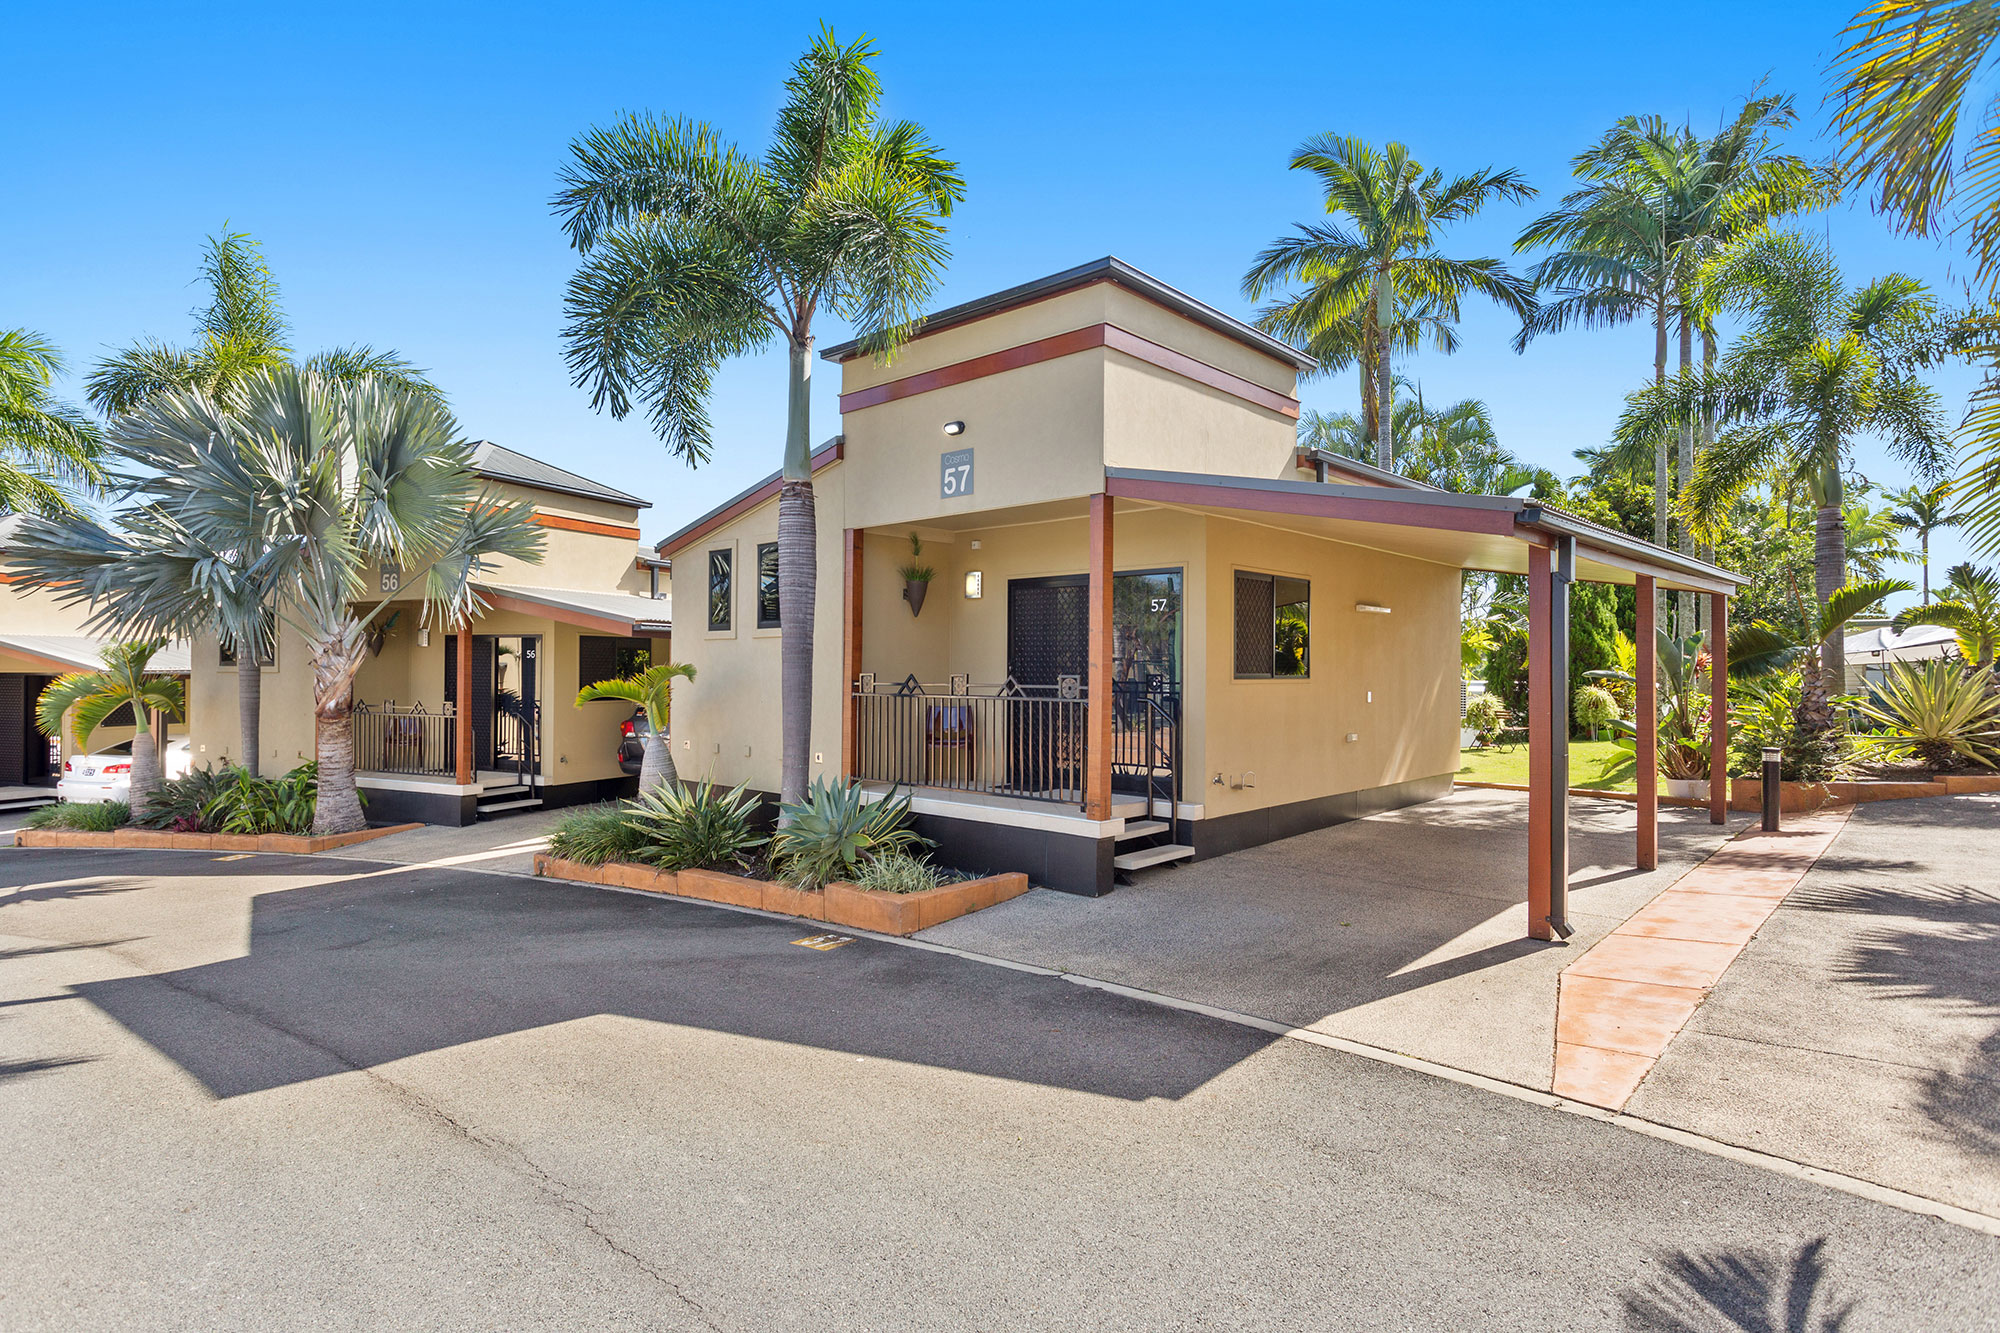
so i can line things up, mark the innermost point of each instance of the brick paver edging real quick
(1619, 1005)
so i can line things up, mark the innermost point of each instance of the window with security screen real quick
(1273, 626)
(720, 574)
(767, 586)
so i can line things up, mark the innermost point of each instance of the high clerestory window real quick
(1273, 626)
(720, 574)
(767, 586)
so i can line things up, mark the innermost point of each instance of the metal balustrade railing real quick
(1025, 741)
(413, 741)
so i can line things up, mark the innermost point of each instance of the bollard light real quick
(1774, 761)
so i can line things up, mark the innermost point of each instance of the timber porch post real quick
(462, 724)
(1097, 743)
(850, 653)
(1646, 725)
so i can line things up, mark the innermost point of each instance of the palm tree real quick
(48, 450)
(1922, 510)
(1348, 341)
(1971, 606)
(1657, 204)
(651, 689)
(1819, 365)
(240, 332)
(1872, 536)
(694, 252)
(96, 695)
(1387, 265)
(341, 477)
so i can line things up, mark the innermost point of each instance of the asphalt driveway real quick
(1405, 930)
(1860, 1029)
(278, 1092)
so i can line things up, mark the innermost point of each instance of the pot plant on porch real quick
(917, 575)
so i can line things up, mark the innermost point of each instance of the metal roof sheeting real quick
(500, 463)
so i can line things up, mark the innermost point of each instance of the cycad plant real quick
(1760, 648)
(698, 826)
(1938, 712)
(1970, 606)
(652, 690)
(1377, 277)
(693, 252)
(49, 451)
(126, 680)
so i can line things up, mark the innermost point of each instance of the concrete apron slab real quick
(1631, 993)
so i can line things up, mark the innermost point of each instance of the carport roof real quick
(1478, 532)
(82, 652)
(604, 612)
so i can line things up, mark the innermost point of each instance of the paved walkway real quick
(1631, 992)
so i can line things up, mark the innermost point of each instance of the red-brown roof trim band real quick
(1068, 344)
(831, 452)
(1399, 513)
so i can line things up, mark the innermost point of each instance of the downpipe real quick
(1561, 577)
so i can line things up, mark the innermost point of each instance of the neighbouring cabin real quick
(1154, 628)
(598, 605)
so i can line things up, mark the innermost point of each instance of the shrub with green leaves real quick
(182, 803)
(1764, 712)
(1594, 707)
(1938, 713)
(76, 817)
(592, 835)
(899, 872)
(694, 826)
(247, 803)
(831, 833)
(1486, 716)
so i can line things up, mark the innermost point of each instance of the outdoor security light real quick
(954, 428)
(974, 582)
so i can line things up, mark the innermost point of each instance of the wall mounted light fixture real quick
(954, 428)
(1374, 607)
(975, 582)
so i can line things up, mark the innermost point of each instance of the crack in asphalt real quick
(566, 1197)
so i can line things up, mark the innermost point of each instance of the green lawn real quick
(1600, 765)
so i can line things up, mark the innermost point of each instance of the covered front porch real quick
(986, 701)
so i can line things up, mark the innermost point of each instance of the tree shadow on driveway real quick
(387, 963)
(1755, 1291)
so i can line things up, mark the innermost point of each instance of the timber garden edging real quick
(165, 840)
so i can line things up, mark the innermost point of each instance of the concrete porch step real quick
(495, 807)
(25, 803)
(1143, 828)
(1151, 856)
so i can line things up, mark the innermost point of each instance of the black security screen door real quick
(1048, 629)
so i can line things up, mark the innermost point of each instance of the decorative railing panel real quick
(1024, 741)
(413, 740)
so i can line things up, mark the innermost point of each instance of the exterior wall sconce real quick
(1373, 607)
(954, 428)
(975, 581)
(423, 638)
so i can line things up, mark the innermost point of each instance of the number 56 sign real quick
(956, 479)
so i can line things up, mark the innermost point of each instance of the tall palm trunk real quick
(145, 764)
(656, 766)
(798, 578)
(1924, 541)
(1370, 417)
(1660, 482)
(337, 804)
(1829, 576)
(249, 707)
(1385, 384)
(1685, 598)
(1707, 441)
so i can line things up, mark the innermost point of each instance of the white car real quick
(90, 779)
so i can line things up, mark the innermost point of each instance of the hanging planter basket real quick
(914, 592)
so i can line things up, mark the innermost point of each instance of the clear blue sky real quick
(397, 162)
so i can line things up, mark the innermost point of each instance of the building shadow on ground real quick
(1751, 1290)
(385, 963)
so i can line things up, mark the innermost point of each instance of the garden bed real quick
(839, 904)
(162, 840)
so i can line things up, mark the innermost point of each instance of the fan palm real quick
(1384, 260)
(1970, 606)
(48, 450)
(695, 252)
(1924, 510)
(239, 333)
(1819, 365)
(651, 689)
(96, 695)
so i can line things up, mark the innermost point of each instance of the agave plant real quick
(836, 829)
(694, 827)
(1937, 711)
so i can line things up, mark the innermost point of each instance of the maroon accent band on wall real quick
(1068, 344)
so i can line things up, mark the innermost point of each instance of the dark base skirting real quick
(1062, 861)
(587, 793)
(1221, 834)
(418, 807)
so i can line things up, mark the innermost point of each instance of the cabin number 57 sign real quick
(957, 477)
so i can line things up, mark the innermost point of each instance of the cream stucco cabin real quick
(597, 600)
(1156, 630)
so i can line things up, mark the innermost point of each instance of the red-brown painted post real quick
(1718, 708)
(850, 713)
(1646, 722)
(1097, 745)
(1541, 802)
(463, 722)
